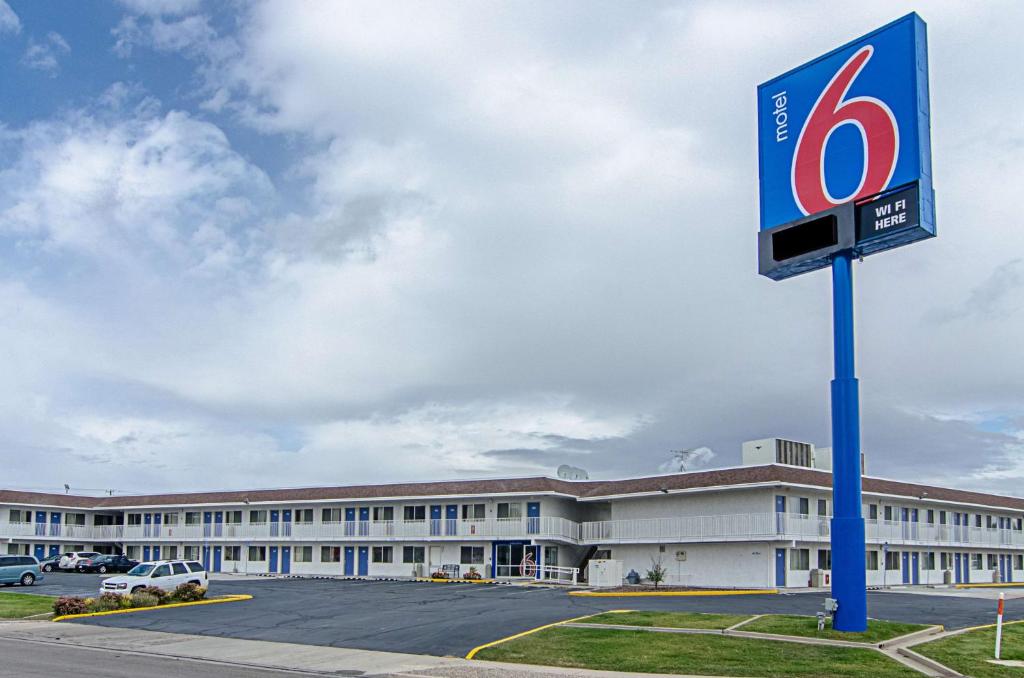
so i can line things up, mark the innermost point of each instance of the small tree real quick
(657, 573)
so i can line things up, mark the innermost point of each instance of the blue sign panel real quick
(848, 127)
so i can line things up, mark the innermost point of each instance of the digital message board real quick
(837, 134)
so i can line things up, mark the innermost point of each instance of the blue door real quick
(40, 550)
(780, 566)
(54, 549)
(275, 520)
(156, 524)
(350, 561)
(364, 561)
(216, 558)
(780, 517)
(532, 517)
(156, 553)
(958, 578)
(1002, 568)
(54, 524)
(906, 567)
(435, 520)
(364, 521)
(147, 525)
(218, 523)
(145, 553)
(915, 576)
(40, 523)
(451, 515)
(207, 530)
(286, 522)
(350, 522)
(273, 559)
(286, 559)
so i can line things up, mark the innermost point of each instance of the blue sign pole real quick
(849, 579)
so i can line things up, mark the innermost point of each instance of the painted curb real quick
(455, 581)
(472, 653)
(989, 586)
(211, 601)
(666, 594)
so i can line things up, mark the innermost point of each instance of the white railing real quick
(561, 575)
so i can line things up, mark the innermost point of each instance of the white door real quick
(435, 556)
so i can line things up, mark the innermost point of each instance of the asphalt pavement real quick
(451, 619)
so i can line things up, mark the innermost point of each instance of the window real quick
(192, 518)
(191, 553)
(946, 560)
(873, 511)
(304, 515)
(551, 556)
(929, 561)
(162, 571)
(382, 554)
(510, 510)
(930, 516)
(257, 516)
(975, 561)
(942, 517)
(332, 515)
(799, 559)
(993, 562)
(805, 506)
(257, 553)
(133, 551)
(303, 554)
(135, 518)
(383, 513)
(179, 568)
(330, 554)
(412, 554)
(195, 566)
(872, 560)
(824, 559)
(233, 517)
(822, 507)
(892, 560)
(990, 522)
(977, 520)
(474, 511)
(170, 519)
(472, 555)
(1020, 562)
(414, 513)
(233, 553)
(17, 516)
(172, 551)
(1020, 523)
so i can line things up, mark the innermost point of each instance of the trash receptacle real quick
(633, 577)
(947, 577)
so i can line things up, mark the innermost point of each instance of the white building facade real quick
(763, 525)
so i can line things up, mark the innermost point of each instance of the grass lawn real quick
(18, 605)
(794, 625)
(968, 652)
(674, 620)
(642, 651)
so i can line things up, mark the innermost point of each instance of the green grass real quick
(794, 625)
(646, 652)
(969, 652)
(18, 605)
(673, 620)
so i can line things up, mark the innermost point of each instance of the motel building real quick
(762, 524)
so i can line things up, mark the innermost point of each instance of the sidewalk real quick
(288, 656)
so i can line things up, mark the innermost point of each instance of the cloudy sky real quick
(277, 243)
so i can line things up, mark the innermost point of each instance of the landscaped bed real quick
(673, 620)
(794, 625)
(968, 653)
(149, 596)
(641, 651)
(21, 605)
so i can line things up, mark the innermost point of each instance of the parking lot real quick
(451, 619)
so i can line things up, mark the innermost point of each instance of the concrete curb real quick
(939, 669)
(911, 638)
(667, 594)
(212, 601)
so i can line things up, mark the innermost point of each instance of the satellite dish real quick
(566, 472)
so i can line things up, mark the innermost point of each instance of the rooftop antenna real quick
(67, 488)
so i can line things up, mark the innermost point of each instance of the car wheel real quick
(47, 568)
(137, 589)
(28, 579)
(103, 569)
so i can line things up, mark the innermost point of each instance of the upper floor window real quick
(474, 511)
(510, 510)
(19, 516)
(74, 519)
(930, 518)
(805, 506)
(259, 516)
(136, 518)
(977, 520)
(414, 514)
(192, 518)
(873, 512)
(170, 519)
(942, 519)
(888, 513)
(1020, 523)
(233, 517)
(304, 515)
(383, 513)
(823, 507)
(335, 515)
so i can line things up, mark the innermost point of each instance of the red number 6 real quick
(878, 130)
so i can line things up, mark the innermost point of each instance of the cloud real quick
(161, 7)
(9, 21)
(45, 56)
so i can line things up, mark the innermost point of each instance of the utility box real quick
(996, 577)
(605, 573)
(820, 578)
(947, 577)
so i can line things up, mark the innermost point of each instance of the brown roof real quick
(591, 489)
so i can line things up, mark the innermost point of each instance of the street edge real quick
(660, 594)
(212, 601)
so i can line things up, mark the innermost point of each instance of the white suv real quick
(69, 560)
(164, 574)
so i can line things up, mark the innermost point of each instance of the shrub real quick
(110, 601)
(144, 599)
(472, 574)
(657, 574)
(188, 593)
(69, 605)
(162, 597)
(440, 574)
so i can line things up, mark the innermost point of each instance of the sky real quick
(271, 243)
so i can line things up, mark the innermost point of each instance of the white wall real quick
(723, 565)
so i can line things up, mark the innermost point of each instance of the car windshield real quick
(141, 570)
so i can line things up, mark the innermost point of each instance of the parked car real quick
(51, 563)
(22, 570)
(164, 574)
(69, 560)
(104, 564)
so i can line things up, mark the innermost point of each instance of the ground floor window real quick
(330, 554)
(929, 561)
(472, 555)
(172, 552)
(257, 553)
(382, 554)
(232, 553)
(303, 554)
(824, 559)
(133, 552)
(1020, 563)
(17, 549)
(993, 562)
(603, 554)
(799, 559)
(946, 560)
(191, 553)
(551, 556)
(872, 560)
(892, 560)
(412, 554)
(975, 561)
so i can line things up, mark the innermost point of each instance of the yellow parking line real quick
(648, 594)
(988, 586)
(476, 649)
(211, 601)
